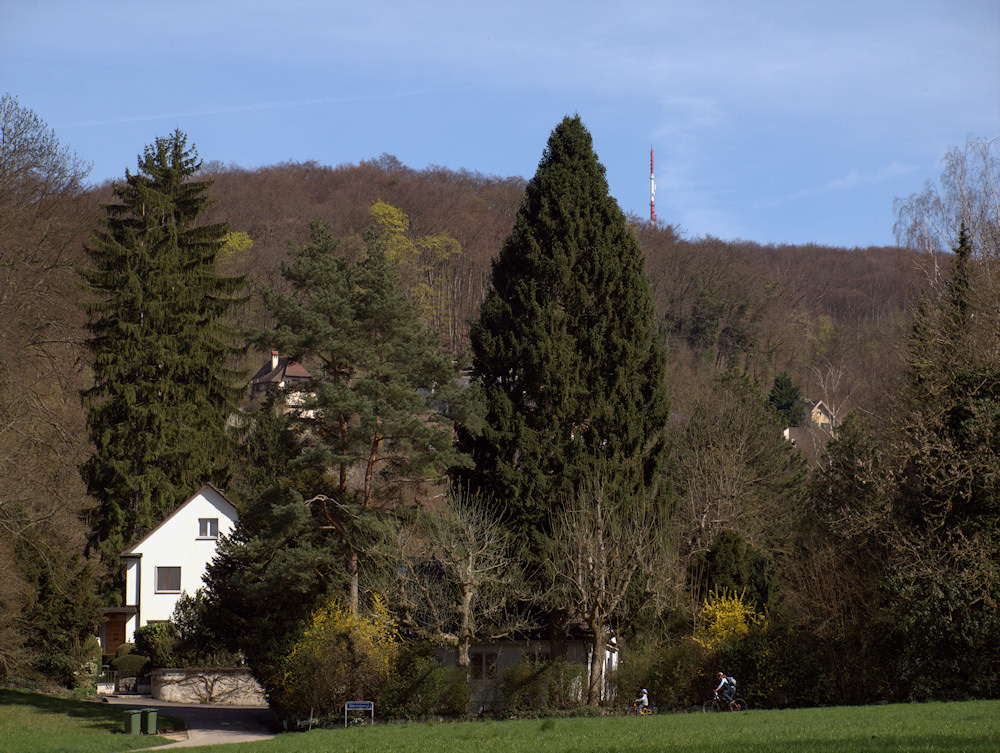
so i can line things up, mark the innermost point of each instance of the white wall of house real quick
(171, 559)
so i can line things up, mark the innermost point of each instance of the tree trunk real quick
(352, 569)
(597, 656)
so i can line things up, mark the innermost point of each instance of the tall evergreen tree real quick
(163, 384)
(944, 582)
(375, 419)
(566, 349)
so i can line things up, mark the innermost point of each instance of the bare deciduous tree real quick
(41, 421)
(608, 561)
(458, 578)
(968, 195)
(733, 471)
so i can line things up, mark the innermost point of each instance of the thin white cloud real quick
(857, 179)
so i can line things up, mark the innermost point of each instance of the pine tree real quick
(566, 349)
(374, 422)
(163, 388)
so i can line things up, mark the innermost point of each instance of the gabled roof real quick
(276, 371)
(232, 512)
(817, 405)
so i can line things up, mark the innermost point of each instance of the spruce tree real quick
(566, 350)
(786, 398)
(944, 539)
(163, 385)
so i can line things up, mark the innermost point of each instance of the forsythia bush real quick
(727, 617)
(340, 657)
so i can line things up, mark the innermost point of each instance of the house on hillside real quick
(816, 431)
(278, 373)
(168, 561)
(820, 416)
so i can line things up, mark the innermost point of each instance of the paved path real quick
(206, 724)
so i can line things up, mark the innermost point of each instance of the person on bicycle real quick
(643, 700)
(727, 686)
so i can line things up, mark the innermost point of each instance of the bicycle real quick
(640, 710)
(718, 703)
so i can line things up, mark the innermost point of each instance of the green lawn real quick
(917, 727)
(37, 723)
(30, 723)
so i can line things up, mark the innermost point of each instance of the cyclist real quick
(643, 700)
(727, 686)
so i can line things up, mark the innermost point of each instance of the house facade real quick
(168, 562)
(488, 661)
(820, 415)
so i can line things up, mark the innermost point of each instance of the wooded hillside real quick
(830, 318)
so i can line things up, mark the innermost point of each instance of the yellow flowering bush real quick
(726, 617)
(340, 657)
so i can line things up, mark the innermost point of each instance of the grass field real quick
(30, 723)
(972, 727)
(37, 723)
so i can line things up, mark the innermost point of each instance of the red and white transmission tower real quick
(652, 190)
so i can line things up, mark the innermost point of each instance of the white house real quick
(169, 561)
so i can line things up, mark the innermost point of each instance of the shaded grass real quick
(38, 723)
(972, 727)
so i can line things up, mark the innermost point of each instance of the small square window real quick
(168, 580)
(483, 666)
(208, 528)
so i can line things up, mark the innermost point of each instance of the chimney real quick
(274, 360)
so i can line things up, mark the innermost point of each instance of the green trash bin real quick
(132, 719)
(149, 721)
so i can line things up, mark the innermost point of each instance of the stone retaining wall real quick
(227, 686)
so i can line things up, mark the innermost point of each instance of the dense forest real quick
(859, 563)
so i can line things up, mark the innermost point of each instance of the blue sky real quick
(772, 121)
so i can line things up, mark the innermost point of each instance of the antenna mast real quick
(652, 190)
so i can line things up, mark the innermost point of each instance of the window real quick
(208, 528)
(483, 666)
(539, 657)
(168, 580)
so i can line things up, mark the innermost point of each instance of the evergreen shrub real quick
(533, 686)
(456, 695)
(418, 689)
(130, 665)
(676, 674)
(158, 641)
(777, 667)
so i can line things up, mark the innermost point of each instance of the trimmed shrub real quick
(130, 665)
(158, 641)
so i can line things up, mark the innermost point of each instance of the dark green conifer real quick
(374, 423)
(786, 398)
(163, 386)
(566, 348)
